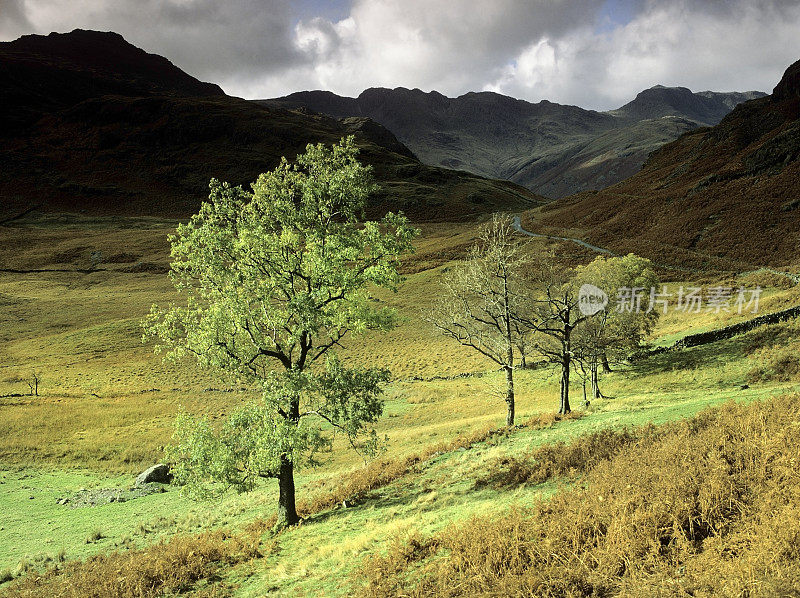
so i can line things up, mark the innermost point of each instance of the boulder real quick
(157, 473)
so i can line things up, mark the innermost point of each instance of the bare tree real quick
(484, 299)
(554, 316)
(33, 383)
(522, 334)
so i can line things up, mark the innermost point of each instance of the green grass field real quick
(107, 406)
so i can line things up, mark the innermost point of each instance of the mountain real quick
(90, 122)
(552, 149)
(705, 107)
(48, 73)
(726, 196)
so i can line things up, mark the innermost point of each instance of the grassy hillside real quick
(724, 197)
(73, 291)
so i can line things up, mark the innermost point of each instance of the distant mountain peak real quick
(106, 53)
(697, 198)
(551, 148)
(705, 108)
(789, 85)
(46, 73)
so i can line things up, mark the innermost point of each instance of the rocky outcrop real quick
(789, 86)
(157, 474)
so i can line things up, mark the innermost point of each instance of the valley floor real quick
(107, 405)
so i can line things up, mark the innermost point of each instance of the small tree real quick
(483, 298)
(274, 280)
(33, 383)
(553, 319)
(622, 326)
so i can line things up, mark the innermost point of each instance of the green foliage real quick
(274, 280)
(614, 331)
(250, 444)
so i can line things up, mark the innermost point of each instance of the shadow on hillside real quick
(719, 352)
(420, 494)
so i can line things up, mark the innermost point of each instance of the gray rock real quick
(157, 473)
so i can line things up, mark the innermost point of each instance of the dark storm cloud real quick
(587, 52)
(219, 41)
(13, 19)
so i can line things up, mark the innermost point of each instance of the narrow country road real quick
(517, 224)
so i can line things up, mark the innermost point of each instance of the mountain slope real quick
(728, 192)
(45, 73)
(94, 123)
(705, 107)
(553, 149)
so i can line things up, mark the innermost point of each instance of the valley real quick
(551, 149)
(678, 477)
(106, 408)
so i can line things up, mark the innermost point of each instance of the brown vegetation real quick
(709, 507)
(721, 198)
(781, 366)
(384, 471)
(560, 459)
(171, 566)
(179, 563)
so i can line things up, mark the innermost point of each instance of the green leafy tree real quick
(633, 310)
(274, 280)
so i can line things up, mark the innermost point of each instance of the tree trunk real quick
(606, 365)
(510, 395)
(287, 511)
(509, 366)
(565, 366)
(595, 380)
(524, 362)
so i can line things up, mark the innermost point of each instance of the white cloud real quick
(447, 46)
(672, 44)
(593, 53)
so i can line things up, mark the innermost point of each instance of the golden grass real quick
(173, 566)
(178, 563)
(107, 403)
(381, 472)
(707, 508)
(559, 459)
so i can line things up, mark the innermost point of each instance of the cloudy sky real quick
(593, 53)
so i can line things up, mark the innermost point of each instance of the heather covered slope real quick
(553, 149)
(118, 131)
(729, 192)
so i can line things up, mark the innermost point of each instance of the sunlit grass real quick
(107, 408)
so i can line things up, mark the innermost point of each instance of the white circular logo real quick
(591, 299)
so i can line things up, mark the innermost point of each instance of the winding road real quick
(517, 224)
